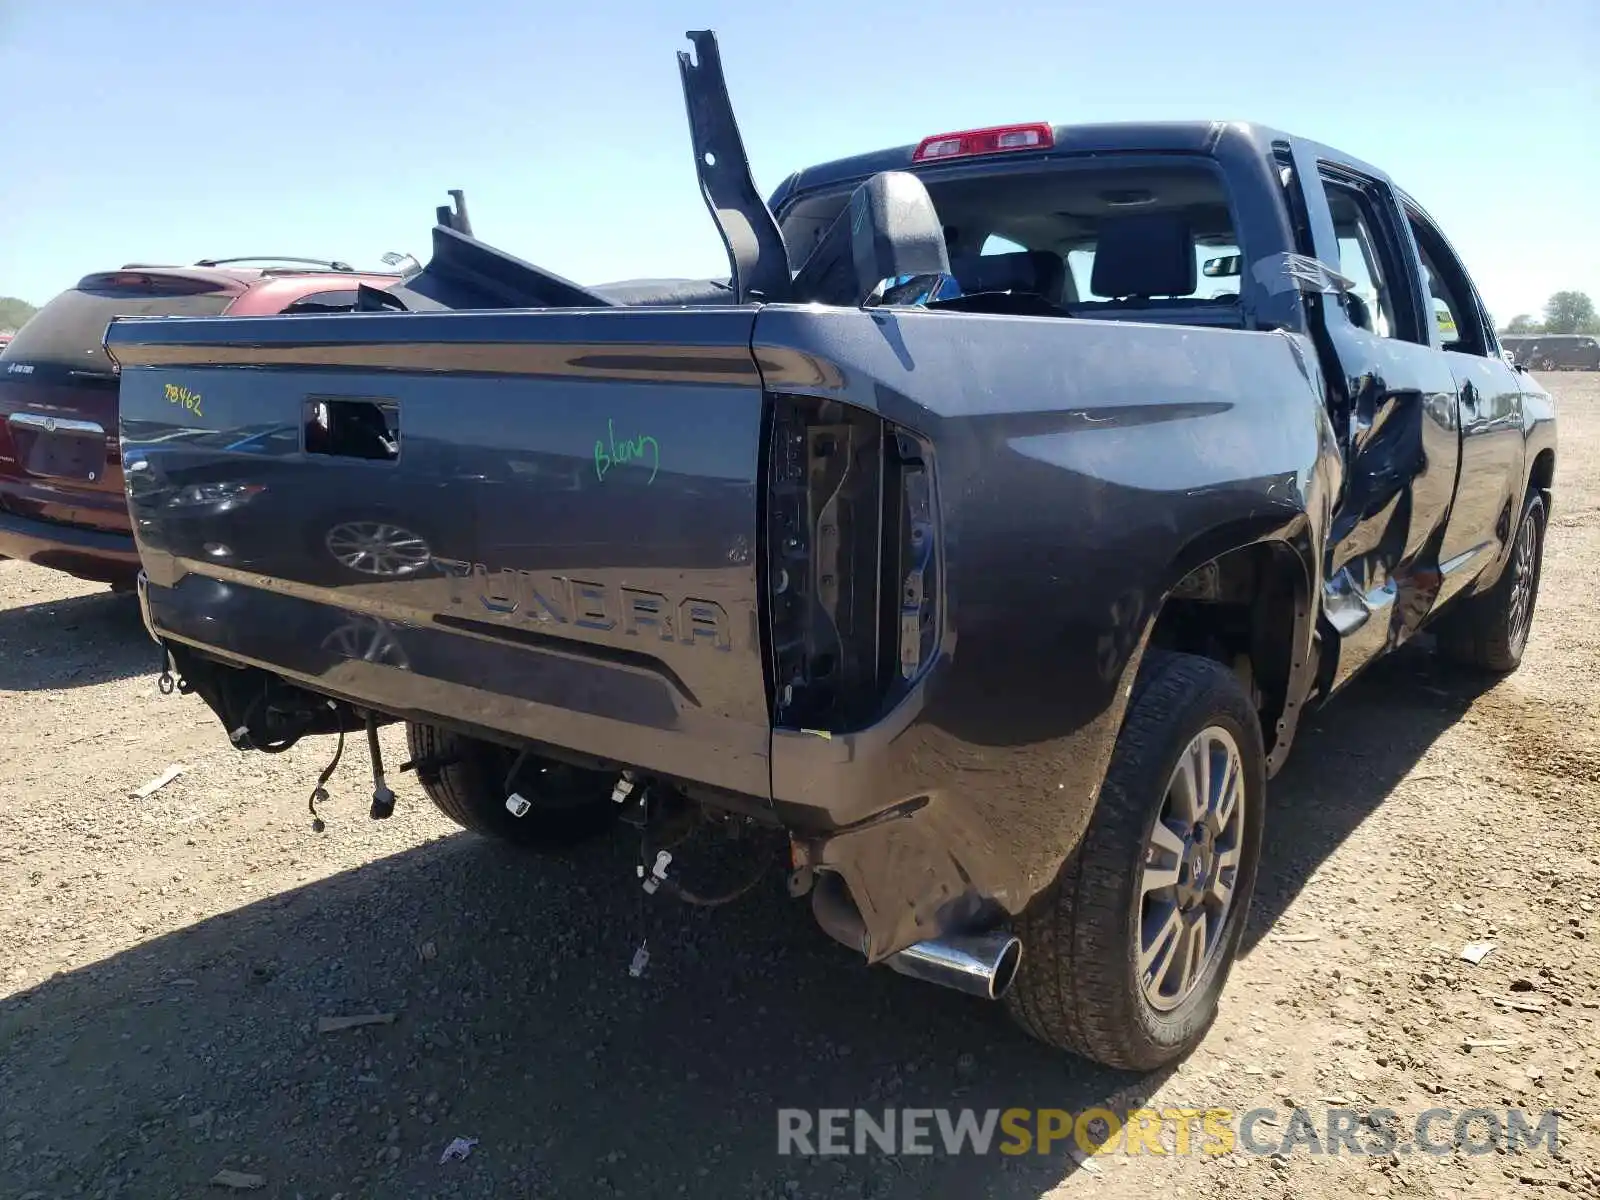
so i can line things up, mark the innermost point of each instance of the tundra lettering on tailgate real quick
(560, 600)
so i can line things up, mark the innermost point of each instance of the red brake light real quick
(995, 140)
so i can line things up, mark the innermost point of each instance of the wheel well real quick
(1242, 609)
(1543, 474)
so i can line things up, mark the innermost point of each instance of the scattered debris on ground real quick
(145, 791)
(239, 1181)
(356, 1021)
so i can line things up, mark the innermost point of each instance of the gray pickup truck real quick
(984, 537)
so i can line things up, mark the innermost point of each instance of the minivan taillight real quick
(146, 283)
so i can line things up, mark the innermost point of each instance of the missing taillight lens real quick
(911, 558)
(852, 564)
(823, 502)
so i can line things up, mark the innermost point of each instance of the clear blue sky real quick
(174, 129)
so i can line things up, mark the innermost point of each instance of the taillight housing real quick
(147, 283)
(997, 139)
(853, 585)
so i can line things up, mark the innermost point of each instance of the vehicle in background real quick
(61, 484)
(1554, 351)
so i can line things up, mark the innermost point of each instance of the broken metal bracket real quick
(758, 261)
(382, 796)
(456, 218)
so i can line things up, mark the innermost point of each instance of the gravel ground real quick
(166, 960)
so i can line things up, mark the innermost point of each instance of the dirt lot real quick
(165, 960)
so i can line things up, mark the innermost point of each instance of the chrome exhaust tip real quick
(983, 964)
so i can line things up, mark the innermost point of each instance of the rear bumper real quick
(612, 708)
(86, 553)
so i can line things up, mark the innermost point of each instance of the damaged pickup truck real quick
(984, 536)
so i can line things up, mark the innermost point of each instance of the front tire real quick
(466, 780)
(1489, 631)
(1127, 952)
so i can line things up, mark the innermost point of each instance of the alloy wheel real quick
(1524, 566)
(1190, 869)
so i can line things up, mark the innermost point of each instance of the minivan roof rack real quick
(276, 258)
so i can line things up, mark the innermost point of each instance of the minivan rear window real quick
(69, 332)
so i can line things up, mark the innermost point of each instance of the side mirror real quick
(1225, 266)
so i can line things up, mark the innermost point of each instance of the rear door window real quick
(1452, 300)
(68, 333)
(1366, 259)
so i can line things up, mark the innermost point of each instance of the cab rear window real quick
(1093, 236)
(69, 331)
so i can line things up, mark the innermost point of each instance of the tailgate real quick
(58, 445)
(542, 523)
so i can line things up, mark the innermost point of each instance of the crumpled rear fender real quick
(1082, 468)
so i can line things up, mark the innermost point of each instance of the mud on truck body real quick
(985, 534)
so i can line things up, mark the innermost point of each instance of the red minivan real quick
(61, 497)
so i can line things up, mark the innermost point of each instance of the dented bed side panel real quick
(1082, 468)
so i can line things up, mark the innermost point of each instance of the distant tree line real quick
(1565, 312)
(14, 313)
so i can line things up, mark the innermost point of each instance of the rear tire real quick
(1080, 986)
(466, 780)
(1489, 631)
